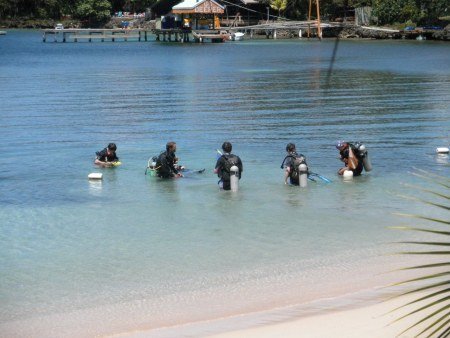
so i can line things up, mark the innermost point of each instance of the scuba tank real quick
(364, 155)
(234, 178)
(303, 173)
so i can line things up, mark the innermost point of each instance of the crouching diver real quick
(291, 164)
(166, 164)
(350, 155)
(224, 164)
(107, 157)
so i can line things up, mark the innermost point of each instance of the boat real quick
(2, 32)
(237, 36)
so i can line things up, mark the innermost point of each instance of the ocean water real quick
(81, 258)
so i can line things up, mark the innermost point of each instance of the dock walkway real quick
(74, 35)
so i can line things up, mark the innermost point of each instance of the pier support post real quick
(64, 37)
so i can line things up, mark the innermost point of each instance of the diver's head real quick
(340, 145)
(171, 147)
(290, 147)
(226, 147)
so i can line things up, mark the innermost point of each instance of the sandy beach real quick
(371, 321)
(368, 318)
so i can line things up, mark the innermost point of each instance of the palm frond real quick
(426, 266)
(428, 287)
(424, 319)
(446, 233)
(431, 285)
(436, 220)
(432, 334)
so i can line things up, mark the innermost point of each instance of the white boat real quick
(2, 32)
(237, 36)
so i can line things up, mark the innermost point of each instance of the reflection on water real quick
(442, 159)
(95, 187)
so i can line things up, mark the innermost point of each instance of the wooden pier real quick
(172, 34)
(302, 28)
(79, 34)
(183, 35)
(213, 36)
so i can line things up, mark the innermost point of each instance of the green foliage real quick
(297, 9)
(387, 11)
(93, 12)
(434, 283)
(279, 5)
(55, 9)
(391, 11)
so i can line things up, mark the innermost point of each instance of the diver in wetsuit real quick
(224, 164)
(353, 163)
(166, 164)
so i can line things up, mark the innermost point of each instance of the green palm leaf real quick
(436, 322)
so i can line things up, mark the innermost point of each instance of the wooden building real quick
(199, 14)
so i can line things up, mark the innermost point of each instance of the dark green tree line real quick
(57, 9)
(386, 11)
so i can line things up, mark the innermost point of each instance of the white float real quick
(442, 150)
(348, 175)
(95, 176)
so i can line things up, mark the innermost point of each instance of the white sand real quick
(316, 320)
(368, 322)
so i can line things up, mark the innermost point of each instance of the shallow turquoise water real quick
(67, 244)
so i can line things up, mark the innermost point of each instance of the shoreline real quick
(219, 311)
(361, 314)
(372, 320)
(344, 32)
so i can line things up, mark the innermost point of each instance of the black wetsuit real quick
(223, 165)
(344, 155)
(165, 165)
(104, 157)
(288, 162)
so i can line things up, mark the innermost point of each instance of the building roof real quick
(198, 6)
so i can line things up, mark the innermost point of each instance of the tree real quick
(279, 5)
(93, 12)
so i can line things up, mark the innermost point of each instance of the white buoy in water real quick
(234, 178)
(442, 150)
(95, 176)
(303, 170)
(348, 175)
